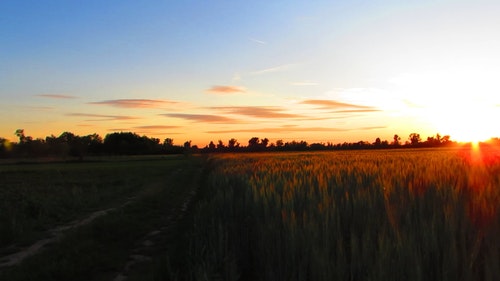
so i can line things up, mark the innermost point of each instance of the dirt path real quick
(140, 253)
(54, 235)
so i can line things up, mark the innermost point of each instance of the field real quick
(364, 215)
(400, 214)
(91, 218)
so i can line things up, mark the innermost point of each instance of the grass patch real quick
(99, 250)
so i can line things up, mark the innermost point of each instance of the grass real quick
(99, 250)
(364, 215)
(36, 197)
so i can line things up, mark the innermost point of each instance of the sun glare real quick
(467, 123)
(457, 101)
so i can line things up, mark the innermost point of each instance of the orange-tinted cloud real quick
(293, 129)
(156, 127)
(356, 111)
(371, 128)
(138, 131)
(258, 111)
(284, 129)
(39, 108)
(119, 130)
(102, 117)
(331, 104)
(136, 103)
(57, 96)
(218, 89)
(204, 118)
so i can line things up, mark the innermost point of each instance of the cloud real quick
(139, 131)
(156, 127)
(293, 129)
(205, 118)
(57, 96)
(258, 111)
(273, 69)
(218, 89)
(39, 108)
(283, 129)
(258, 41)
(371, 128)
(356, 111)
(331, 104)
(102, 117)
(136, 103)
(118, 130)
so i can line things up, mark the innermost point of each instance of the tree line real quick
(127, 143)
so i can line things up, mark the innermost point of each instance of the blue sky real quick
(327, 71)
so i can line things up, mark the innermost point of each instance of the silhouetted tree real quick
(295, 145)
(220, 145)
(128, 143)
(279, 143)
(211, 146)
(264, 142)
(317, 146)
(233, 144)
(397, 140)
(414, 139)
(4, 148)
(168, 142)
(446, 139)
(253, 144)
(20, 134)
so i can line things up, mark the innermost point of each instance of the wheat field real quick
(353, 215)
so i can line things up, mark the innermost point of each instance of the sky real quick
(319, 71)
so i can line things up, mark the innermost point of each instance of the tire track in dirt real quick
(55, 235)
(139, 254)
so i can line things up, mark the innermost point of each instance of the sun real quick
(467, 121)
(459, 100)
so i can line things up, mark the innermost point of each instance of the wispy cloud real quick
(273, 69)
(371, 128)
(356, 111)
(293, 129)
(257, 111)
(57, 96)
(258, 41)
(136, 103)
(139, 131)
(102, 117)
(205, 118)
(157, 127)
(39, 108)
(284, 129)
(220, 89)
(119, 130)
(332, 104)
